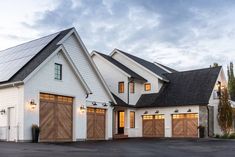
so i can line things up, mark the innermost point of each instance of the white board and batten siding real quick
(43, 81)
(86, 69)
(139, 70)
(11, 101)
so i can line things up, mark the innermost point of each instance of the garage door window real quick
(159, 116)
(147, 117)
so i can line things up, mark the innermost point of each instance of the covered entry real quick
(185, 125)
(153, 126)
(96, 124)
(56, 118)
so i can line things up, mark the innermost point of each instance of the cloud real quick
(180, 33)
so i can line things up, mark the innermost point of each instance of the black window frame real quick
(133, 119)
(58, 71)
(146, 85)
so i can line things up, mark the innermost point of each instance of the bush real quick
(232, 136)
(225, 136)
(217, 136)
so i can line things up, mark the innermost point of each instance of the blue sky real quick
(183, 34)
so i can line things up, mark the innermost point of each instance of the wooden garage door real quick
(153, 126)
(56, 118)
(185, 125)
(95, 124)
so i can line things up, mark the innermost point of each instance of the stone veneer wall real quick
(203, 118)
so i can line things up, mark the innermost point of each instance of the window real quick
(147, 86)
(121, 87)
(58, 71)
(132, 119)
(132, 87)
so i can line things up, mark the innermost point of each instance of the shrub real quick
(225, 136)
(232, 136)
(217, 136)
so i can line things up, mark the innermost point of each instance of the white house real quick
(154, 100)
(54, 83)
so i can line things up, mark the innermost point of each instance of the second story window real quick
(120, 87)
(147, 86)
(132, 87)
(58, 71)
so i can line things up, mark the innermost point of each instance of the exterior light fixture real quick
(3, 111)
(156, 111)
(32, 104)
(94, 103)
(189, 110)
(146, 112)
(104, 104)
(176, 110)
(82, 108)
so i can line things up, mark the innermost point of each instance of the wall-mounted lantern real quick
(156, 111)
(3, 111)
(189, 110)
(82, 108)
(94, 103)
(32, 104)
(146, 112)
(104, 104)
(176, 110)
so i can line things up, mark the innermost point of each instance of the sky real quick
(182, 34)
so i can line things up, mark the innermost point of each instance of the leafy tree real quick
(231, 81)
(215, 65)
(225, 112)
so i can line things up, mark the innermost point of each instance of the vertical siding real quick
(11, 97)
(81, 61)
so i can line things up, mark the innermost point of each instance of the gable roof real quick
(166, 67)
(185, 88)
(122, 67)
(150, 66)
(120, 102)
(27, 57)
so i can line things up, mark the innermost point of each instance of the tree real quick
(214, 65)
(231, 81)
(225, 112)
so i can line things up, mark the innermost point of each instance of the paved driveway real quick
(127, 147)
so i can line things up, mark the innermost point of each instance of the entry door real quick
(11, 124)
(121, 122)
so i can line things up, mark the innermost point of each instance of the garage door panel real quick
(159, 127)
(185, 125)
(47, 120)
(148, 128)
(56, 118)
(95, 123)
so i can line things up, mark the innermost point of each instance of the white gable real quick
(85, 67)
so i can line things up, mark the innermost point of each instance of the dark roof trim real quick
(146, 64)
(121, 66)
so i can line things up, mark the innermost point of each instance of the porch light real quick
(94, 103)
(3, 111)
(156, 111)
(104, 104)
(176, 110)
(32, 104)
(146, 112)
(82, 108)
(189, 110)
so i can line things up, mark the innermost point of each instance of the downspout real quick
(128, 91)
(208, 120)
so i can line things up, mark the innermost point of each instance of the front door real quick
(121, 122)
(11, 124)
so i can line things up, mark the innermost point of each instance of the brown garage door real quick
(185, 125)
(95, 124)
(153, 126)
(56, 118)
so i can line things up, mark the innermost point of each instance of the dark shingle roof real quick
(120, 102)
(30, 66)
(185, 88)
(168, 68)
(151, 66)
(122, 67)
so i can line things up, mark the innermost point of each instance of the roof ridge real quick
(195, 70)
(36, 39)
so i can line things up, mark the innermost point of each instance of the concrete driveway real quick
(126, 147)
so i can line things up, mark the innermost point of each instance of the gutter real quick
(13, 84)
